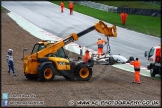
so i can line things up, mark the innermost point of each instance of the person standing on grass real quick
(136, 65)
(62, 6)
(71, 6)
(10, 62)
(123, 17)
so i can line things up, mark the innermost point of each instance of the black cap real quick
(87, 50)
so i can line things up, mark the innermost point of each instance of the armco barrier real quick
(136, 11)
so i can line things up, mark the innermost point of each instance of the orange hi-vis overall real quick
(136, 65)
(62, 6)
(71, 6)
(86, 57)
(100, 47)
(123, 17)
(158, 55)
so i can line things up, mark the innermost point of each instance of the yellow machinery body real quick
(48, 58)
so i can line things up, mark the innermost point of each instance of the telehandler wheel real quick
(83, 73)
(46, 73)
(31, 77)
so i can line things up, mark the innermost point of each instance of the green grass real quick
(156, 77)
(143, 24)
(2, 8)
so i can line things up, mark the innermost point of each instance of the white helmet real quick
(10, 50)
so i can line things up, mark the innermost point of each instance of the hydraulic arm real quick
(100, 27)
(49, 59)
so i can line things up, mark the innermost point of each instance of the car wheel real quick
(152, 73)
(111, 61)
(131, 58)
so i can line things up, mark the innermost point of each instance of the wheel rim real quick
(84, 73)
(48, 73)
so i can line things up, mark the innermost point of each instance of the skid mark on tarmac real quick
(42, 34)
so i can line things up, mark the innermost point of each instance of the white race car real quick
(110, 59)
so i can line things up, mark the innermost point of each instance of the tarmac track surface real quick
(47, 16)
(107, 82)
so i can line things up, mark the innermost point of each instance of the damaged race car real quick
(111, 59)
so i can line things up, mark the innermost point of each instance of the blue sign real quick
(5, 102)
(4, 95)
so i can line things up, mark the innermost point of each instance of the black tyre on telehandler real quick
(46, 73)
(83, 72)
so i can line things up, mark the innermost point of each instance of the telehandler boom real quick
(48, 59)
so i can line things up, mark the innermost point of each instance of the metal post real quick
(108, 46)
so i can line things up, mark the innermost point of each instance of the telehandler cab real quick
(48, 59)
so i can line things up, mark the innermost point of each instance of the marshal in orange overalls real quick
(86, 57)
(62, 6)
(136, 65)
(123, 17)
(100, 46)
(71, 6)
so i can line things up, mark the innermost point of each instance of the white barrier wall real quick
(97, 6)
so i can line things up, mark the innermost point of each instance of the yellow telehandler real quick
(48, 58)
